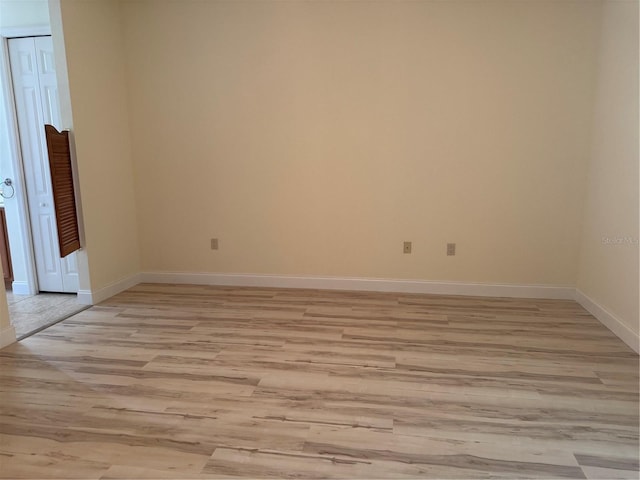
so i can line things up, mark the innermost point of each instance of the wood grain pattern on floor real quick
(184, 381)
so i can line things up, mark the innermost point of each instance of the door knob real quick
(9, 183)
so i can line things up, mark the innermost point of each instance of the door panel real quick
(48, 81)
(70, 265)
(64, 197)
(36, 96)
(51, 266)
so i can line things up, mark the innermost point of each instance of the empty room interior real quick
(325, 239)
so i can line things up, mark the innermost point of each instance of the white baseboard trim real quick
(609, 320)
(7, 337)
(93, 297)
(21, 288)
(362, 284)
(560, 292)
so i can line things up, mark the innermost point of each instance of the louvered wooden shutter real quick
(64, 198)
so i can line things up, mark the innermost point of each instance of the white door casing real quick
(36, 97)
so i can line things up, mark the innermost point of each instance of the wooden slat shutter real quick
(64, 198)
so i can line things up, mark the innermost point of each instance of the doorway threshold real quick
(31, 314)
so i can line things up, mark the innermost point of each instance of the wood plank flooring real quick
(175, 381)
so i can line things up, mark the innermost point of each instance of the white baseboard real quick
(609, 320)
(561, 292)
(93, 297)
(7, 336)
(21, 288)
(363, 284)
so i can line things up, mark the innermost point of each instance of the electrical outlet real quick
(407, 247)
(214, 244)
(451, 249)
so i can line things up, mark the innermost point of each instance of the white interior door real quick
(36, 95)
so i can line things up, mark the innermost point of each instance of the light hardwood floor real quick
(169, 381)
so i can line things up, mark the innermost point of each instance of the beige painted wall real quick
(314, 137)
(98, 101)
(23, 13)
(609, 259)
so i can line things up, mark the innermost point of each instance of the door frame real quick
(23, 226)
